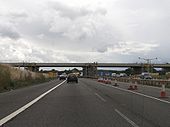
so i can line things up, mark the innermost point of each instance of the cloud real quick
(8, 30)
(129, 47)
(9, 23)
(72, 22)
(133, 47)
(18, 14)
(81, 31)
(73, 12)
(14, 49)
(23, 51)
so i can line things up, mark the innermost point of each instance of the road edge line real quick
(23, 108)
(151, 97)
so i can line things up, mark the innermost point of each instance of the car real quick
(72, 78)
(62, 77)
(145, 75)
(148, 77)
(123, 75)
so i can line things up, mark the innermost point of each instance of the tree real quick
(129, 71)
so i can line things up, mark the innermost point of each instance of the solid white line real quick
(100, 97)
(151, 97)
(126, 118)
(15, 113)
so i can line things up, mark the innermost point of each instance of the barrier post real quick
(163, 92)
(136, 86)
(115, 83)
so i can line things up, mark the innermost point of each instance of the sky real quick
(84, 30)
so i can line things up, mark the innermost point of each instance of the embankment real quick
(13, 78)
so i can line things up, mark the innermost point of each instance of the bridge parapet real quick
(23, 64)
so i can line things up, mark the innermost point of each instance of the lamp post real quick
(148, 61)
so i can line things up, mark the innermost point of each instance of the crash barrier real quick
(153, 82)
(104, 80)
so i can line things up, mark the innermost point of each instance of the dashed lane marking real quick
(126, 118)
(100, 97)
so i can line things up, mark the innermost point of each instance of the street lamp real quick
(148, 62)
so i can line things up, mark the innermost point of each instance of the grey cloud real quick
(18, 15)
(101, 11)
(128, 48)
(117, 32)
(103, 49)
(8, 31)
(75, 23)
(74, 12)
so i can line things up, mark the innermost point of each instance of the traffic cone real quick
(130, 87)
(99, 80)
(102, 81)
(115, 83)
(107, 81)
(135, 86)
(163, 92)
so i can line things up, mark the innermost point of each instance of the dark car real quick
(62, 77)
(72, 78)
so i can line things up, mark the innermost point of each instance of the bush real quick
(12, 78)
(4, 78)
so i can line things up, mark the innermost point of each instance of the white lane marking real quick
(126, 118)
(151, 97)
(100, 97)
(23, 108)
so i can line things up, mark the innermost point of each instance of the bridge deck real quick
(85, 64)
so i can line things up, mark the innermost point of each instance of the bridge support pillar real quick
(166, 69)
(90, 70)
(34, 69)
(31, 67)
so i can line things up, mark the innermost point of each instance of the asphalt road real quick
(86, 104)
(12, 100)
(148, 90)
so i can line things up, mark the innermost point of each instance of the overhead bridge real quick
(85, 64)
(89, 69)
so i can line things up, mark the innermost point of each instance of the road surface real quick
(145, 89)
(85, 104)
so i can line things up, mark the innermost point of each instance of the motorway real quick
(86, 104)
(146, 89)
